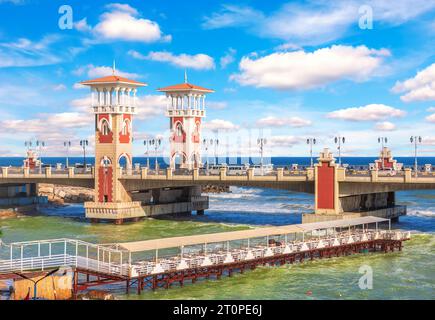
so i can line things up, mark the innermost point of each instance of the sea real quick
(409, 274)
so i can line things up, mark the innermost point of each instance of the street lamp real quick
(205, 143)
(67, 145)
(84, 144)
(40, 145)
(311, 141)
(28, 144)
(382, 140)
(216, 144)
(261, 143)
(339, 140)
(147, 144)
(157, 143)
(416, 140)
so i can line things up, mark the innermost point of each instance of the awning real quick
(176, 242)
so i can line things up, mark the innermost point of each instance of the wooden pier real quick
(162, 263)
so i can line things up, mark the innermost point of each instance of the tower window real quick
(179, 130)
(105, 128)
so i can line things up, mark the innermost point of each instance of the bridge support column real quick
(326, 184)
(337, 199)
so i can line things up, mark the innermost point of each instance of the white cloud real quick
(419, 88)
(219, 124)
(123, 23)
(59, 87)
(313, 22)
(82, 25)
(26, 53)
(232, 15)
(150, 106)
(198, 61)
(370, 112)
(295, 122)
(228, 58)
(48, 123)
(217, 104)
(431, 118)
(431, 109)
(305, 70)
(283, 141)
(102, 71)
(82, 105)
(385, 126)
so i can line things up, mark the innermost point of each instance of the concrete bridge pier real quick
(150, 203)
(20, 194)
(336, 199)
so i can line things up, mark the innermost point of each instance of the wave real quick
(421, 212)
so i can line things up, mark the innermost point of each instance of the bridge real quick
(124, 192)
(352, 185)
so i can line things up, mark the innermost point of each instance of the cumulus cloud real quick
(370, 112)
(48, 123)
(385, 126)
(101, 71)
(219, 124)
(431, 118)
(197, 61)
(306, 70)
(272, 121)
(283, 141)
(123, 23)
(419, 88)
(150, 106)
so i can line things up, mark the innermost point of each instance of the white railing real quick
(187, 261)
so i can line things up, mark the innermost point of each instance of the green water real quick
(403, 275)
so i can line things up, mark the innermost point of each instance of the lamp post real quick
(67, 145)
(40, 145)
(28, 144)
(157, 143)
(339, 140)
(382, 140)
(261, 143)
(147, 144)
(215, 142)
(415, 140)
(311, 141)
(205, 143)
(84, 144)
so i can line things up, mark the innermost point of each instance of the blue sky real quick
(284, 70)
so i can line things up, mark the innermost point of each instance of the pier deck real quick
(163, 262)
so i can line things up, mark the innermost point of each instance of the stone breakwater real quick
(65, 194)
(215, 189)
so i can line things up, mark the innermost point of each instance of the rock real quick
(61, 194)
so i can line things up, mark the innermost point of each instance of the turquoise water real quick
(409, 274)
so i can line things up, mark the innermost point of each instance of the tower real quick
(185, 109)
(113, 100)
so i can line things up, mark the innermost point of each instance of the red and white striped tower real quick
(185, 109)
(113, 100)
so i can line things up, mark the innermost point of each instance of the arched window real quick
(179, 130)
(125, 128)
(105, 130)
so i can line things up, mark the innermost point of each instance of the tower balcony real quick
(114, 109)
(185, 113)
